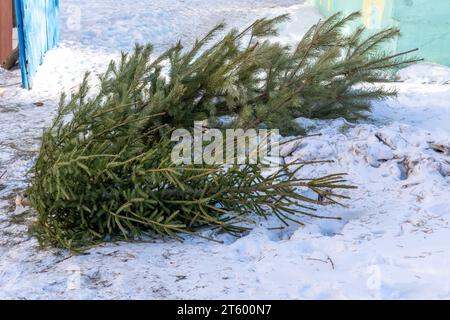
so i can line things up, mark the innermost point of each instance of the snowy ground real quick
(392, 243)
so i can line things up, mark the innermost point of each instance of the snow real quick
(425, 72)
(392, 242)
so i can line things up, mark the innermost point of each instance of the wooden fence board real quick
(38, 32)
(6, 25)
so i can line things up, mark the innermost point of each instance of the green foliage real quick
(327, 74)
(99, 176)
(104, 170)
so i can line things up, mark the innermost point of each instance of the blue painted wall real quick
(38, 23)
(424, 24)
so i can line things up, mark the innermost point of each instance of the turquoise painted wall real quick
(424, 24)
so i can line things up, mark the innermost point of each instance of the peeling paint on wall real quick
(372, 13)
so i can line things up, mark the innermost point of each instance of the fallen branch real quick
(11, 59)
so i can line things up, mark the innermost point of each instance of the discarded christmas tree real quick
(326, 75)
(106, 174)
(104, 170)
